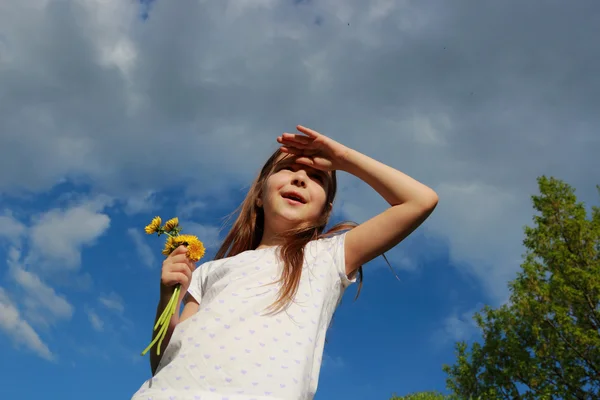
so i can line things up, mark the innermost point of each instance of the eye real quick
(317, 177)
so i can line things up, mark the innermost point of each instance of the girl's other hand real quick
(314, 149)
(176, 269)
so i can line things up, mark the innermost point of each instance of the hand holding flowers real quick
(182, 252)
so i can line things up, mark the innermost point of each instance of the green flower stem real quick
(171, 312)
(152, 344)
(163, 321)
(165, 318)
(161, 336)
(173, 233)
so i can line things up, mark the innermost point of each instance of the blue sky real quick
(392, 337)
(113, 112)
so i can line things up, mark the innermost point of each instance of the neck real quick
(269, 239)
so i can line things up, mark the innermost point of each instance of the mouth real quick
(294, 197)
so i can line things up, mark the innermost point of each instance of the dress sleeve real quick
(196, 288)
(334, 246)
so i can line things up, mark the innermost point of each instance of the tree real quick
(422, 396)
(545, 343)
(430, 396)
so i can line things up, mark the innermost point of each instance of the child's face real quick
(292, 194)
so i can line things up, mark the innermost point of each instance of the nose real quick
(299, 179)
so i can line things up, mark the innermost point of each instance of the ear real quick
(328, 208)
(259, 202)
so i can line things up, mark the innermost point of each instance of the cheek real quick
(271, 187)
(320, 197)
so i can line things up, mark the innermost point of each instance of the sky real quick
(112, 112)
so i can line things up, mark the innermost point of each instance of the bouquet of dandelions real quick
(195, 251)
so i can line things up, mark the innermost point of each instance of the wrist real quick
(349, 160)
(166, 292)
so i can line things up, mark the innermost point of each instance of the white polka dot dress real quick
(231, 349)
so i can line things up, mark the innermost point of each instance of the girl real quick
(254, 319)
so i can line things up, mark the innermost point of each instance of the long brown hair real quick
(247, 230)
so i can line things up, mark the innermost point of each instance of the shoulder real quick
(328, 243)
(330, 249)
(217, 264)
(206, 265)
(204, 268)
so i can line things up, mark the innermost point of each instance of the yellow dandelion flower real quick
(170, 224)
(184, 239)
(170, 245)
(195, 250)
(153, 226)
(195, 247)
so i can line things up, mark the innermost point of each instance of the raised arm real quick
(411, 203)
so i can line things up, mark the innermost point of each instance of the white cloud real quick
(19, 330)
(144, 251)
(468, 217)
(12, 229)
(195, 96)
(209, 235)
(58, 235)
(95, 320)
(113, 321)
(54, 239)
(458, 327)
(41, 302)
(112, 301)
(141, 202)
(14, 255)
(189, 208)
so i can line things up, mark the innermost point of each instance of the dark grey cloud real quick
(476, 99)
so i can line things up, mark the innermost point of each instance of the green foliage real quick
(422, 396)
(545, 343)
(428, 396)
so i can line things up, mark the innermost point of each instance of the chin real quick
(287, 220)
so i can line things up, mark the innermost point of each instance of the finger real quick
(176, 278)
(309, 132)
(306, 161)
(297, 138)
(176, 267)
(179, 250)
(291, 143)
(183, 259)
(191, 264)
(179, 268)
(294, 140)
(179, 257)
(291, 150)
(186, 270)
